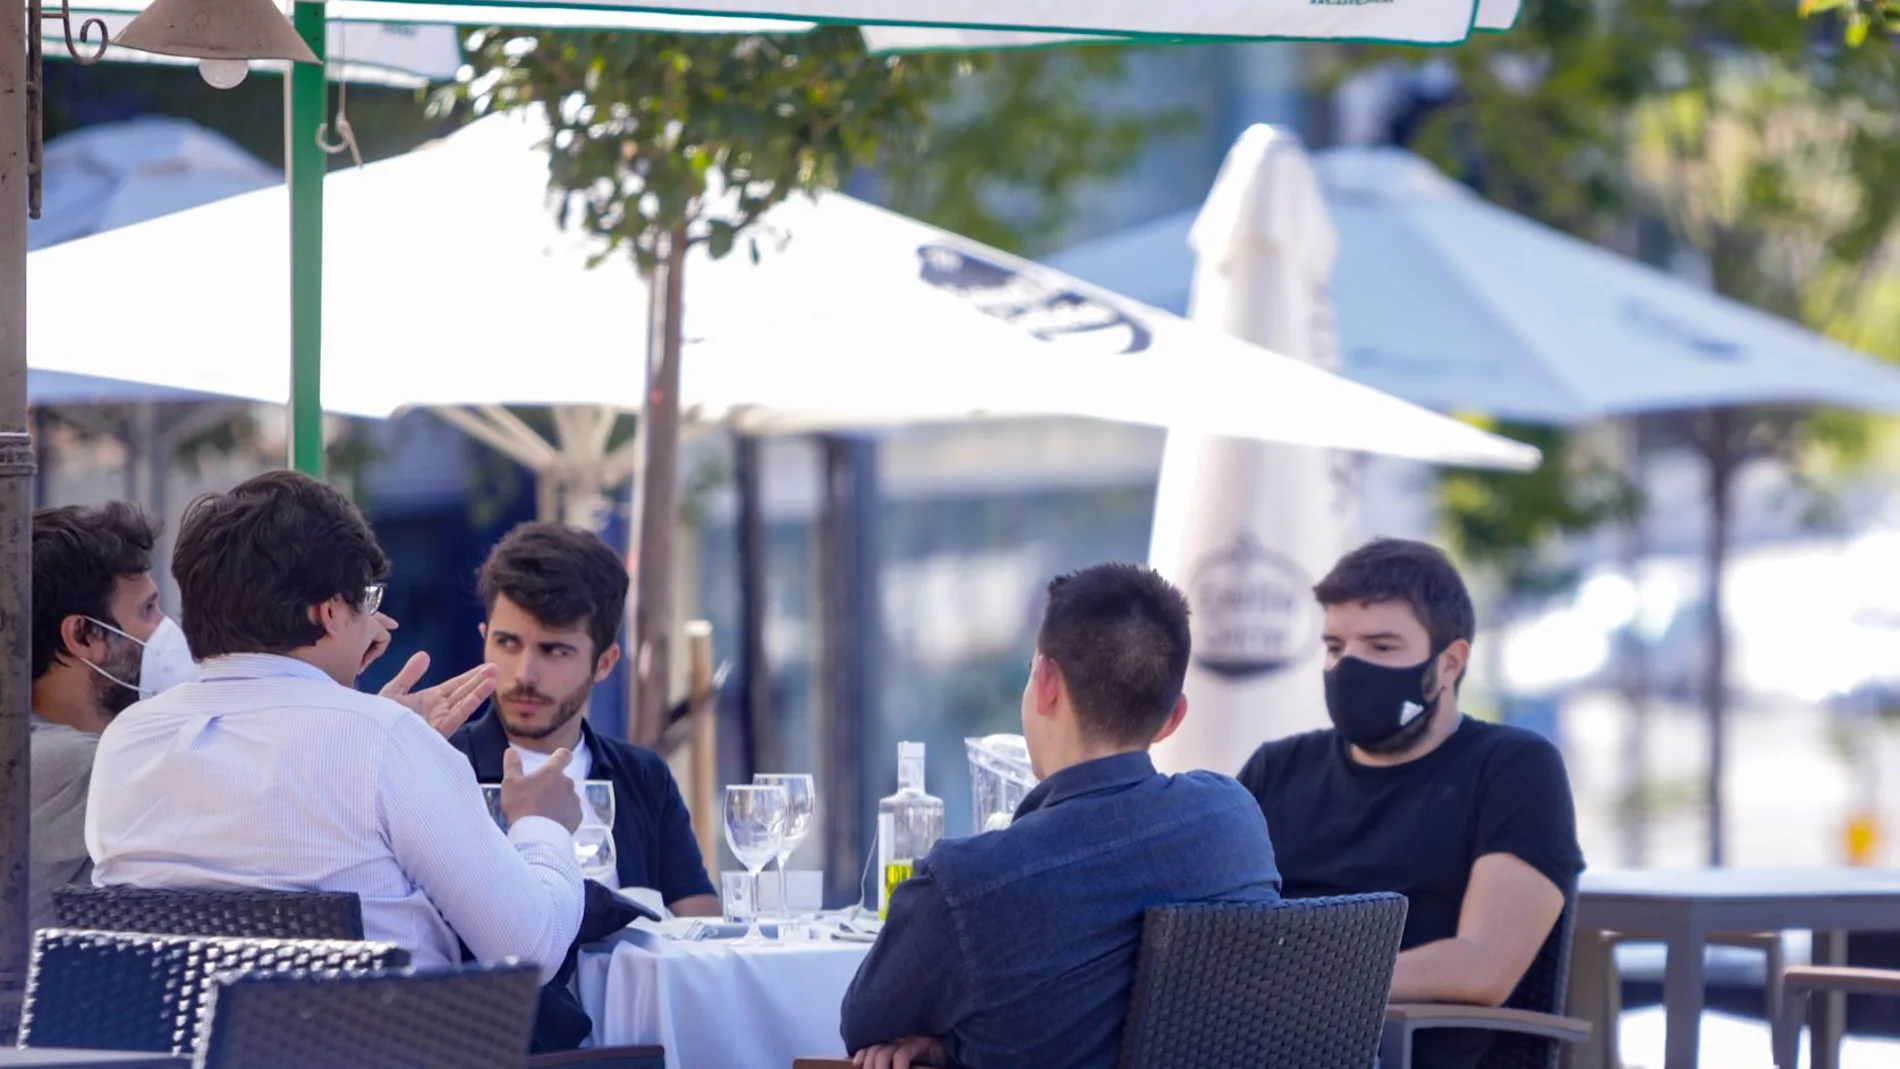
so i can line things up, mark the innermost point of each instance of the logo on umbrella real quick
(1649, 319)
(1253, 611)
(1049, 313)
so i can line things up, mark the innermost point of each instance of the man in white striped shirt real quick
(273, 771)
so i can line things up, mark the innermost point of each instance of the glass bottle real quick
(909, 823)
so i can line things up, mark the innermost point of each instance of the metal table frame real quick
(1683, 909)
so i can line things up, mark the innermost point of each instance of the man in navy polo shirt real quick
(555, 597)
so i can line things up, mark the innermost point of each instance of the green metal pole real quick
(306, 110)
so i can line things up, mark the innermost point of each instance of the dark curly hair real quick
(251, 563)
(563, 576)
(79, 555)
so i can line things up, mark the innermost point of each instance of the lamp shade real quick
(215, 29)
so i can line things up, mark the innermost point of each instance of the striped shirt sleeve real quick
(513, 896)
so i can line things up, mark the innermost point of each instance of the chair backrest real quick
(127, 991)
(478, 1017)
(1299, 984)
(1542, 990)
(242, 914)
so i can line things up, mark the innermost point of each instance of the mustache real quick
(521, 691)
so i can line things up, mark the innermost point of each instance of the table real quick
(1684, 908)
(68, 1058)
(711, 1003)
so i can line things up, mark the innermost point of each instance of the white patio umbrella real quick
(1366, 22)
(923, 24)
(115, 174)
(1246, 527)
(450, 285)
(1455, 303)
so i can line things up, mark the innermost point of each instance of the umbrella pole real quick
(16, 505)
(306, 110)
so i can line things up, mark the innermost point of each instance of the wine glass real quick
(594, 851)
(755, 827)
(597, 802)
(800, 800)
(491, 797)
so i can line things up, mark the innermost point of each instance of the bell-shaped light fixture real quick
(223, 35)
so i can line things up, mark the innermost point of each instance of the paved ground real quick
(1734, 1043)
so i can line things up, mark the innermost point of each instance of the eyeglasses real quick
(373, 597)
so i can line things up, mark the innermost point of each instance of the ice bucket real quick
(999, 778)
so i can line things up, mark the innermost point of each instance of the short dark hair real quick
(564, 576)
(1119, 633)
(250, 563)
(1417, 574)
(79, 555)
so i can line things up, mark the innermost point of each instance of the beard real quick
(123, 660)
(565, 710)
(1409, 735)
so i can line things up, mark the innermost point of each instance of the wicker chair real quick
(275, 915)
(1296, 985)
(477, 1017)
(238, 914)
(126, 991)
(1528, 1030)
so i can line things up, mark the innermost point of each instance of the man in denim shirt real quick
(1018, 947)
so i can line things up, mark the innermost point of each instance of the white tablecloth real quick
(714, 1005)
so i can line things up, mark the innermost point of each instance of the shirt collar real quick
(487, 742)
(1089, 777)
(232, 666)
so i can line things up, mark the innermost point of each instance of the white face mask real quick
(164, 659)
(167, 661)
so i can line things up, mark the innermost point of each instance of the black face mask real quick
(1372, 705)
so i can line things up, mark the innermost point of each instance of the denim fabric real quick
(1018, 947)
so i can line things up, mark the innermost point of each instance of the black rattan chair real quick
(478, 1017)
(1299, 985)
(126, 991)
(241, 914)
(274, 915)
(1529, 1030)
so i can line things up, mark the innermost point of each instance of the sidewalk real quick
(1738, 1043)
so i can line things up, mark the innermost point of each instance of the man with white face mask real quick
(95, 619)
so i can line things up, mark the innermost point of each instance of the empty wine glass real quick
(491, 796)
(755, 827)
(800, 798)
(594, 851)
(597, 801)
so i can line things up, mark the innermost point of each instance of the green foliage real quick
(1030, 124)
(663, 137)
(1499, 519)
(1858, 17)
(696, 134)
(1721, 132)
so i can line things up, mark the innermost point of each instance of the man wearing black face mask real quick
(1472, 822)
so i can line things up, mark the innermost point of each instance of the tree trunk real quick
(659, 499)
(1722, 452)
(1635, 668)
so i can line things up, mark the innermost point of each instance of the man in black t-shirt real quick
(1472, 822)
